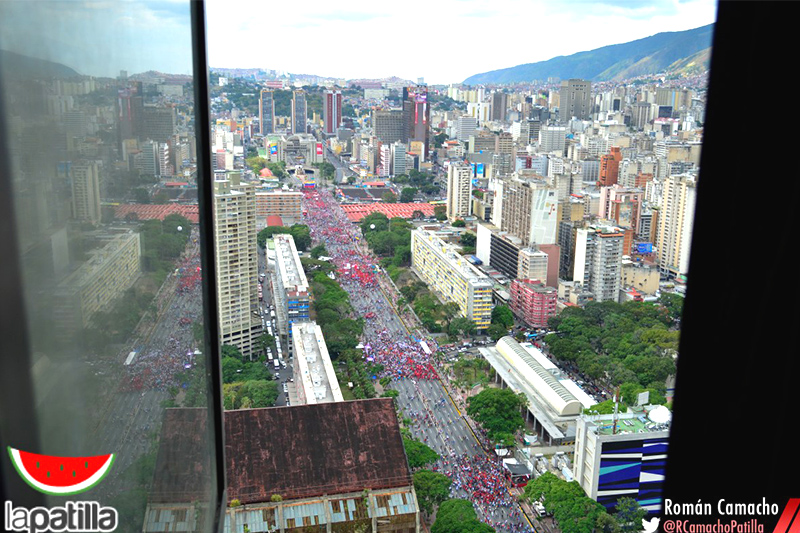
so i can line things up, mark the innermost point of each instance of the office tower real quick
(86, 191)
(530, 211)
(129, 110)
(576, 100)
(529, 131)
(236, 261)
(440, 266)
(299, 111)
(398, 159)
(158, 122)
(640, 115)
(466, 127)
(459, 191)
(332, 112)
(417, 116)
(598, 261)
(609, 167)
(499, 105)
(553, 139)
(533, 302)
(266, 112)
(388, 125)
(675, 221)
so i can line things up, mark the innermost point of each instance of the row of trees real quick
(577, 513)
(632, 342)
(301, 234)
(257, 163)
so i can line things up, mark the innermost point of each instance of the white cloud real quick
(443, 40)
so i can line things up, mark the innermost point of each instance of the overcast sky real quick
(443, 41)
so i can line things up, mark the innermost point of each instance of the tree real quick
(432, 488)
(440, 212)
(468, 239)
(407, 194)
(418, 453)
(629, 515)
(458, 223)
(502, 315)
(389, 197)
(498, 411)
(458, 516)
(496, 332)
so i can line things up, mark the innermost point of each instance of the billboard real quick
(479, 170)
(273, 149)
(319, 148)
(644, 247)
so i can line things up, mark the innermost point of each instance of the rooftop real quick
(297, 452)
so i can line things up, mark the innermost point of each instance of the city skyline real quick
(410, 34)
(419, 41)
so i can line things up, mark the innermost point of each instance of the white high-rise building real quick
(598, 261)
(675, 222)
(553, 139)
(459, 191)
(466, 127)
(398, 159)
(236, 260)
(86, 191)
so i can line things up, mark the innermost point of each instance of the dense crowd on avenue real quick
(475, 474)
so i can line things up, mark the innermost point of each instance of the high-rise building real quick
(576, 100)
(459, 191)
(158, 122)
(398, 159)
(499, 105)
(417, 116)
(530, 210)
(450, 274)
(466, 127)
(299, 111)
(86, 191)
(285, 204)
(598, 261)
(266, 111)
(553, 139)
(236, 261)
(675, 221)
(332, 112)
(388, 125)
(609, 167)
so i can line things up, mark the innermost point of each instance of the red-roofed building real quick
(355, 212)
(157, 211)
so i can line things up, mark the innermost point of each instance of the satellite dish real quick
(660, 415)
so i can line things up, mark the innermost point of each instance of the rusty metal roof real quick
(295, 452)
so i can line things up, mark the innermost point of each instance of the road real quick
(436, 419)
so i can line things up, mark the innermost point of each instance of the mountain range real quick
(662, 52)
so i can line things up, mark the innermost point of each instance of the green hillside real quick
(650, 55)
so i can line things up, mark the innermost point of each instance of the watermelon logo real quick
(60, 476)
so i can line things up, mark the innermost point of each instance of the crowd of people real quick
(170, 350)
(475, 475)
